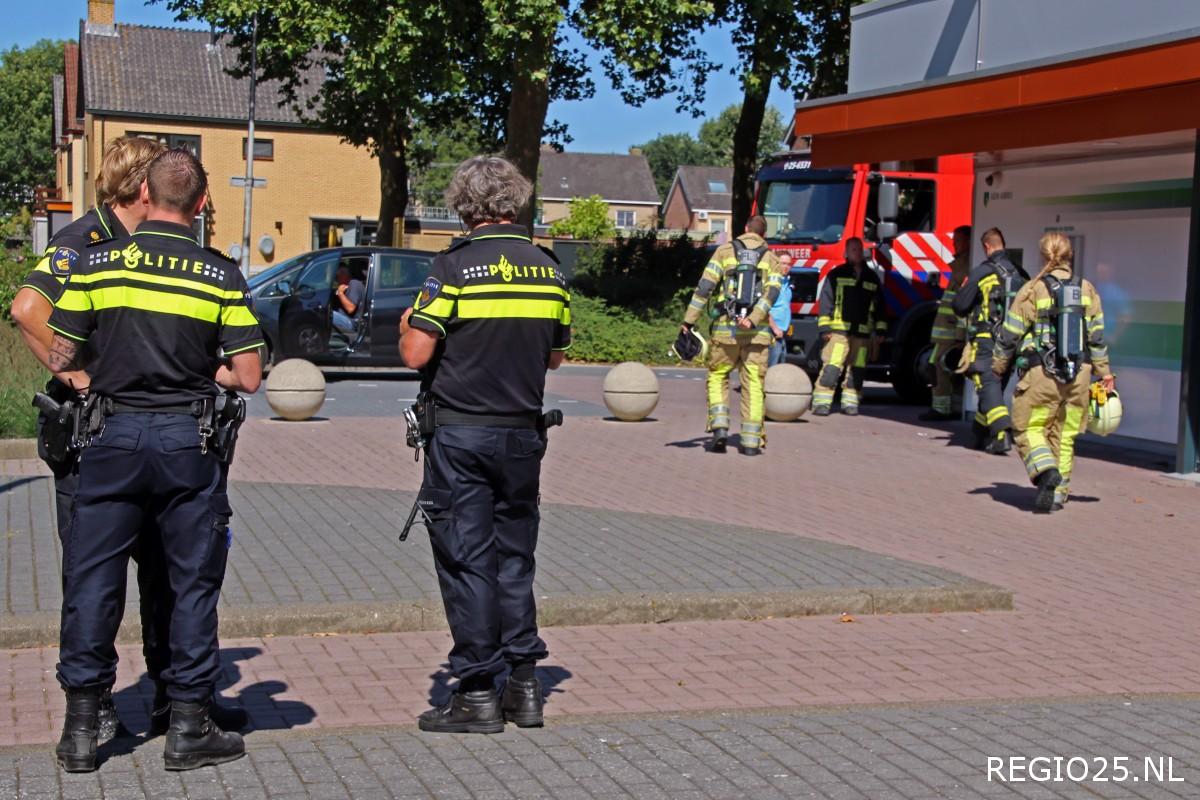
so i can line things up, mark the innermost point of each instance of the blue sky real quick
(602, 124)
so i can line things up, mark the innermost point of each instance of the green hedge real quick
(20, 376)
(604, 334)
(14, 266)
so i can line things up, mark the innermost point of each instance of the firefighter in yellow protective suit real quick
(851, 313)
(746, 278)
(949, 332)
(1057, 325)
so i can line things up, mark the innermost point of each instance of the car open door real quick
(304, 315)
(398, 276)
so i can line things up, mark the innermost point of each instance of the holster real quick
(55, 429)
(228, 414)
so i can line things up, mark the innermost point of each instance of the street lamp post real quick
(249, 189)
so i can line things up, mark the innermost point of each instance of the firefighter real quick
(949, 332)
(747, 277)
(983, 301)
(1057, 322)
(851, 314)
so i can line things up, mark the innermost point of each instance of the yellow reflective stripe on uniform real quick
(1041, 303)
(81, 282)
(253, 346)
(515, 308)
(36, 289)
(144, 300)
(238, 317)
(438, 307)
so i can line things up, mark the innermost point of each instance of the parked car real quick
(293, 301)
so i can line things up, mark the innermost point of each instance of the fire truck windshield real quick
(805, 210)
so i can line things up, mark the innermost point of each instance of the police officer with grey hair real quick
(491, 319)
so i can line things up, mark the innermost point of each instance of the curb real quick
(18, 448)
(246, 622)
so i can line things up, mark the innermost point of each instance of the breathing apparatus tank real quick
(744, 284)
(1068, 327)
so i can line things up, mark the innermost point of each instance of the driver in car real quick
(347, 296)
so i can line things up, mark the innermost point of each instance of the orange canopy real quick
(1127, 93)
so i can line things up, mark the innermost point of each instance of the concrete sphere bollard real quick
(295, 389)
(631, 391)
(789, 392)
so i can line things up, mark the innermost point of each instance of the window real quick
(718, 187)
(718, 225)
(805, 210)
(342, 232)
(402, 271)
(916, 206)
(264, 149)
(174, 141)
(318, 276)
(626, 219)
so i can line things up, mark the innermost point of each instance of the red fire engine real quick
(904, 211)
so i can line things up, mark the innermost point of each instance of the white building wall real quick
(1128, 219)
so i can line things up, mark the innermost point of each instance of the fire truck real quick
(905, 212)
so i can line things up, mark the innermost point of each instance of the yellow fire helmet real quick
(1104, 411)
(690, 346)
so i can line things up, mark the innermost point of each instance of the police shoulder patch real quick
(429, 292)
(221, 254)
(63, 261)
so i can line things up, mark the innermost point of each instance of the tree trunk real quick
(745, 143)
(527, 107)
(393, 182)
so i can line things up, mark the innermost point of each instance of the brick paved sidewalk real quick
(325, 559)
(868, 754)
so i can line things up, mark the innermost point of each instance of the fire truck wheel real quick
(906, 369)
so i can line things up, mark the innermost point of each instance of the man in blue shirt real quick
(781, 315)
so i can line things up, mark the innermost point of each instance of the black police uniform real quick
(500, 306)
(155, 307)
(47, 279)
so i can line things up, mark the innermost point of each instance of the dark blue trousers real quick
(481, 493)
(145, 468)
(154, 593)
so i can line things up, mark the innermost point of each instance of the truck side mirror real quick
(889, 203)
(886, 231)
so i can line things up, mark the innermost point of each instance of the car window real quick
(318, 275)
(398, 271)
(357, 263)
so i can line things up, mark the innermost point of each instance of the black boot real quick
(76, 751)
(719, 438)
(466, 712)
(224, 717)
(1001, 445)
(522, 702)
(194, 740)
(1047, 482)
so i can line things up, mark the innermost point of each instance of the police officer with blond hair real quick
(159, 312)
(491, 319)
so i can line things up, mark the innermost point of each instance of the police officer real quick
(747, 278)
(155, 308)
(492, 318)
(852, 325)
(949, 332)
(1057, 323)
(983, 301)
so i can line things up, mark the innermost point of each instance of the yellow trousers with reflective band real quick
(750, 360)
(943, 382)
(1047, 418)
(844, 360)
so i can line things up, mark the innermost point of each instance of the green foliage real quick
(27, 125)
(587, 219)
(717, 134)
(643, 275)
(605, 334)
(667, 152)
(437, 150)
(22, 376)
(14, 266)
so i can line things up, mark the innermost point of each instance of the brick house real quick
(624, 181)
(171, 84)
(699, 200)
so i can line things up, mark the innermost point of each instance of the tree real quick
(27, 127)
(794, 42)
(667, 152)
(587, 218)
(387, 68)
(437, 151)
(716, 136)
